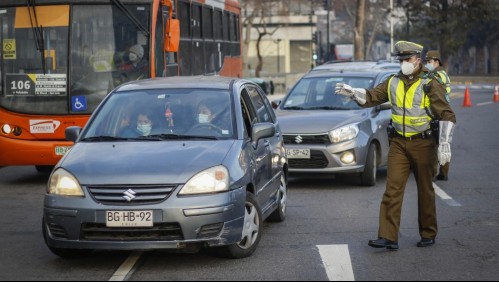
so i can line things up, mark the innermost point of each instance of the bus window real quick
(103, 40)
(35, 68)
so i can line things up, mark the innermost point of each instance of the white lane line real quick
(126, 267)
(336, 260)
(484, 103)
(446, 198)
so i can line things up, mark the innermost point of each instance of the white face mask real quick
(202, 118)
(430, 66)
(133, 57)
(144, 129)
(407, 68)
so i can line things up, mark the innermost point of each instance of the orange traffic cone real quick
(496, 94)
(467, 100)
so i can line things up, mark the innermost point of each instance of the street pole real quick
(391, 27)
(328, 45)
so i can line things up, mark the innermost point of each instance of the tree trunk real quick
(259, 65)
(359, 30)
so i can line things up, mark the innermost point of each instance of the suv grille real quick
(131, 195)
(307, 139)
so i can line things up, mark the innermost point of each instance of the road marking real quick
(484, 103)
(126, 267)
(446, 198)
(336, 260)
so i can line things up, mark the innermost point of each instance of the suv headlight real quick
(344, 133)
(65, 184)
(212, 180)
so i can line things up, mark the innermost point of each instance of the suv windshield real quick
(317, 93)
(39, 76)
(157, 115)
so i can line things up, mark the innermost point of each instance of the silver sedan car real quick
(175, 163)
(330, 134)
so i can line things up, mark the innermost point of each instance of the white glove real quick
(444, 153)
(445, 138)
(357, 94)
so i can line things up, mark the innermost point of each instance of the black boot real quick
(384, 243)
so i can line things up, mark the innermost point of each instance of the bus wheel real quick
(45, 169)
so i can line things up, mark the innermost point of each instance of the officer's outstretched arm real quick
(357, 94)
(445, 139)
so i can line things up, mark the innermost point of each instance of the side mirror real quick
(385, 106)
(262, 130)
(275, 104)
(172, 35)
(72, 133)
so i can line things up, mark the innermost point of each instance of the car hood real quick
(317, 121)
(153, 162)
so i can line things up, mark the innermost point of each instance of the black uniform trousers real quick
(404, 156)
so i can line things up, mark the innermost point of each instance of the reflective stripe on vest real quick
(409, 116)
(446, 81)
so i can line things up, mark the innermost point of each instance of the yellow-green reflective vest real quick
(446, 82)
(409, 116)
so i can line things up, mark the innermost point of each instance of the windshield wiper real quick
(104, 138)
(131, 17)
(294, 108)
(181, 137)
(37, 32)
(328, 108)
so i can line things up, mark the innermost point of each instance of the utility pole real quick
(327, 7)
(391, 27)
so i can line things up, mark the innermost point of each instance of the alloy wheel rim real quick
(283, 191)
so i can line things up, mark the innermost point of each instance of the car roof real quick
(206, 82)
(369, 74)
(357, 66)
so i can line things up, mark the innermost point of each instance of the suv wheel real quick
(368, 177)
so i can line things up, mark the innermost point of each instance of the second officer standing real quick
(415, 99)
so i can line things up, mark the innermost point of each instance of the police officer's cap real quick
(406, 49)
(433, 55)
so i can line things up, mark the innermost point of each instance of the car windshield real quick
(158, 115)
(317, 93)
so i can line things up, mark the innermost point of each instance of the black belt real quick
(422, 135)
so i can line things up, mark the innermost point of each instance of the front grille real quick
(322, 139)
(131, 195)
(159, 232)
(317, 160)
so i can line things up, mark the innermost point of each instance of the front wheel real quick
(251, 233)
(368, 177)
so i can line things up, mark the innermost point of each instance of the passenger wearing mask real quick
(136, 67)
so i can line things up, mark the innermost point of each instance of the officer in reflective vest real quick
(434, 64)
(415, 98)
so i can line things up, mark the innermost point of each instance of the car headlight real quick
(344, 133)
(63, 183)
(212, 180)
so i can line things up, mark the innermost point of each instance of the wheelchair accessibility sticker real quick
(79, 103)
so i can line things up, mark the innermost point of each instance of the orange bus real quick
(60, 58)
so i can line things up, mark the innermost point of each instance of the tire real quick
(63, 252)
(279, 215)
(252, 231)
(368, 177)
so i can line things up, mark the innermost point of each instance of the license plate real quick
(298, 153)
(129, 219)
(61, 150)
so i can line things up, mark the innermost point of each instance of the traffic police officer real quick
(415, 99)
(434, 64)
